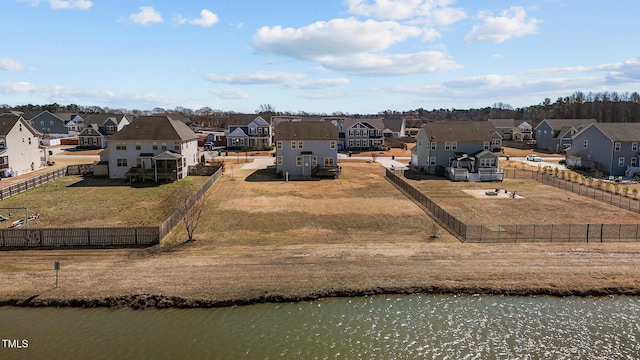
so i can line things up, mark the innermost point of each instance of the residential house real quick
(554, 135)
(155, 148)
(306, 149)
(249, 132)
(609, 147)
(393, 127)
(99, 127)
(359, 133)
(458, 149)
(511, 129)
(75, 125)
(49, 124)
(19, 146)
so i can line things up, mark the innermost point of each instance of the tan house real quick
(19, 146)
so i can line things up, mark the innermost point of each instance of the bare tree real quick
(189, 207)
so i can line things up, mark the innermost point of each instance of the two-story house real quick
(97, 128)
(306, 149)
(609, 147)
(49, 124)
(155, 148)
(394, 127)
(511, 129)
(555, 135)
(442, 148)
(249, 132)
(359, 133)
(19, 146)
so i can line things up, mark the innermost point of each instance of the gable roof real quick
(308, 130)
(8, 121)
(246, 119)
(91, 130)
(393, 124)
(557, 124)
(155, 127)
(350, 122)
(619, 132)
(100, 119)
(460, 131)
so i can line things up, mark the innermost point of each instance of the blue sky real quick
(350, 56)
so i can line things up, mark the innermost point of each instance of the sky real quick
(328, 56)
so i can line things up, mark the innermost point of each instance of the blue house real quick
(554, 135)
(609, 147)
(307, 149)
(249, 132)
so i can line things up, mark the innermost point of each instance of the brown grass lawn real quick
(539, 204)
(266, 240)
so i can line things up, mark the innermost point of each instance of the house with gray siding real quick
(554, 135)
(251, 132)
(608, 147)
(307, 149)
(444, 147)
(49, 124)
(511, 129)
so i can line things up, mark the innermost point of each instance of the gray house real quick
(307, 149)
(251, 132)
(611, 148)
(554, 135)
(359, 133)
(49, 124)
(458, 149)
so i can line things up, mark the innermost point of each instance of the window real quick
(279, 144)
(110, 129)
(137, 146)
(539, 132)
(29, 140)
(176, 146)
(585, 143)
(432, 161)
(621, 161)
(155, 145)
(294, 144)
(298, 161)
(634, 161)
(300, 144)
(487, 162)
(20, 127)
(634, 146)
(433, 145)
(454, 145)
(164, 146)
(332, 144)
(616, 146)
(419, 142)
(328, 161)
(279, 160)
(121, 146)
(42, 123)
(351, 133)
(314, 161)
(121, 162)
(447, 145)
(486, 145)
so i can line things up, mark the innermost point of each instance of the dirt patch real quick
(492, 194)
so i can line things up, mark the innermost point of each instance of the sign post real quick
(56, 266)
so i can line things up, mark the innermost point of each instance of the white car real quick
(534, 157)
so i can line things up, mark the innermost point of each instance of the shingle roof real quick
(320, 130)
(9, 120)
(155, 127)
(557, 124)
(99, 119)
(246, 119)
(393, 124)
(460, 131)
(627, 132)
(349, 122)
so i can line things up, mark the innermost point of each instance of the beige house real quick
(19, 146)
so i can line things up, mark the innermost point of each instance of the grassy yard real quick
(73, 201)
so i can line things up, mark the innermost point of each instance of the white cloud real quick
(337, 37)
(12, 65)
(509, 24)
(389, 65)
(432, 12)
(231, 94)
(147, 15)
(17, 87)
(318, 83)
(259, 77)
(207, 19)
(62, 4)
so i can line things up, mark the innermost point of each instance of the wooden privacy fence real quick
(101, 237)
(28, 184)
(491, 233)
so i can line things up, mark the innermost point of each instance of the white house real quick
(19, 146)
(155, 148)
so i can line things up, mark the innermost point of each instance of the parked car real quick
(534, 157)
(208, 145)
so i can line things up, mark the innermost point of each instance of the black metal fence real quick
(531, 233)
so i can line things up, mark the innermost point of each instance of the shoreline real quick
(150, 301)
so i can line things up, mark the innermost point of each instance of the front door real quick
(306, 165)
